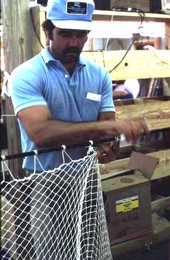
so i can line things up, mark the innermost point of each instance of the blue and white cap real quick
(69, 14)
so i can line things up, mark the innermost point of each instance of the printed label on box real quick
(128, 204)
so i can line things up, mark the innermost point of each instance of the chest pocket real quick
(90, 109)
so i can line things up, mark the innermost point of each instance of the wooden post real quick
(38, 35)
(17, 42)
(167, 40)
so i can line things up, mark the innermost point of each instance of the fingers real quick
(130, 128)
(134, 128)
(145, 126)
(108, 152)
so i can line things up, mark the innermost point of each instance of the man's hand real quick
(108, 152)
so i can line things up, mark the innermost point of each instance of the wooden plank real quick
(167, 33)
(158, 124)
(17, 44)
(38, 16)
(118, 167)
(152, 109)
(107, 15)
(99, 15)
(138, 64)
(156, 113)
(104, 15)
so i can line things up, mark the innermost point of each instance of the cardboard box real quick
(127, 201)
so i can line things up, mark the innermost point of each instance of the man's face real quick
(67, 45)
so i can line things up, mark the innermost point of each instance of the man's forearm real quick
(68, 133)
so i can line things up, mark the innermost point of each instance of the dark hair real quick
(47, 25)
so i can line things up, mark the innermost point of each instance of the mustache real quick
(72, 50)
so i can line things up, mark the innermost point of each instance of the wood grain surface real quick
(156, 113)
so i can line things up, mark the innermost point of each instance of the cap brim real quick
(74, 25)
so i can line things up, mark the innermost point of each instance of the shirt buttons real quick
(66, 76)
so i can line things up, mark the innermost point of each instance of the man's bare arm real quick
(45, 132)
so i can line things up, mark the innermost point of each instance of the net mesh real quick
(55, 214)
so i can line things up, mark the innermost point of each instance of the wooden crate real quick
(127, 199)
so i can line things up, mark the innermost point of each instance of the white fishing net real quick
(55, 215)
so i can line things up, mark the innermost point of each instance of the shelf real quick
(123, 16)
(132, 16)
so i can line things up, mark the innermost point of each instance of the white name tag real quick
(93, 96)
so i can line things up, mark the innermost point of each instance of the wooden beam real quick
(17, 49)
(38, 35)
(167, 38)
(138, 64)
(99, 15)
(156, 113)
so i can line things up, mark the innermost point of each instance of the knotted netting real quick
(55, 215)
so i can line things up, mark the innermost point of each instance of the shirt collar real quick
(47, 55)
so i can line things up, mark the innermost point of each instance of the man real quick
(58, 95)
(60, 98)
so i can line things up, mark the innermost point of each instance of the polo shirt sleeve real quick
(107, 103)
(26, 88)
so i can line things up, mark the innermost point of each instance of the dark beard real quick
(71, 55)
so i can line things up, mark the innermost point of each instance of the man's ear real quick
(48, 35)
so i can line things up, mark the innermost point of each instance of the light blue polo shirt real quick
(43, 81)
